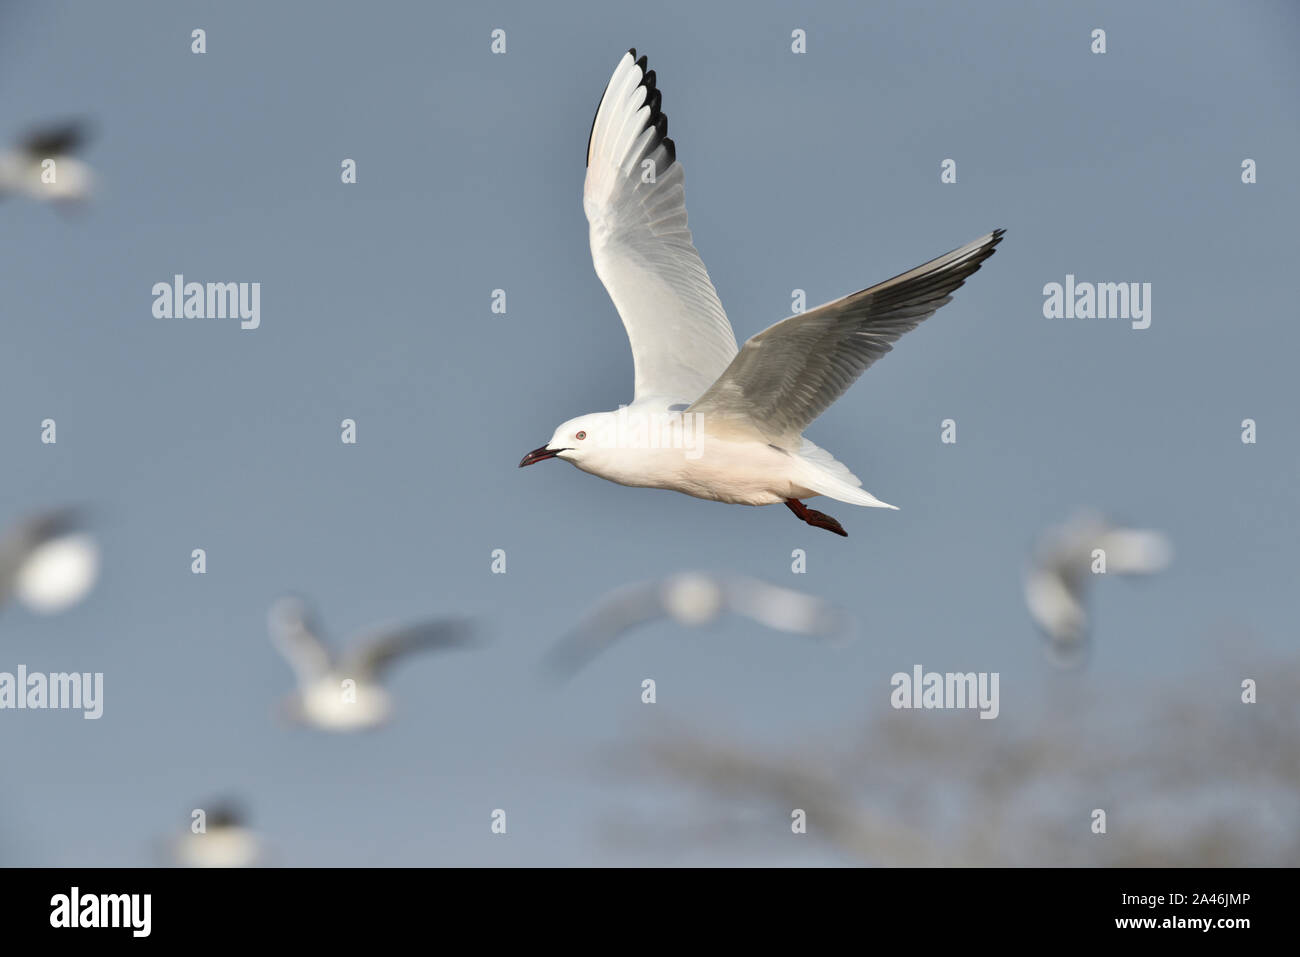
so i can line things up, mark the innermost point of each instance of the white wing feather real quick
(641, 246)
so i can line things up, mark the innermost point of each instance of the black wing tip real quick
(653, 98)
(991, 246)
(631, 51)
(653, 95)
(227, 812)
(60, 521)
(981, 252)
(56, 138)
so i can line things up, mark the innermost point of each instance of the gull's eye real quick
(580, 436)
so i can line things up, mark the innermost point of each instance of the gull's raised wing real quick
(297, 637)
(640, 244)
(791, 372)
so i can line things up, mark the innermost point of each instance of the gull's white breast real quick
(220, 847)
(721, 470)
(58, 573)
(324, 705)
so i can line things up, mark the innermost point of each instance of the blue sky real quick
(817, 171)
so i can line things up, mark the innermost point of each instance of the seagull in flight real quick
(344, 693)
(707, 418)
(226, 841)
(1062, 570)
(48, 562)
(695, 599)
(23, 170)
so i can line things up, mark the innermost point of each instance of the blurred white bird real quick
(708, 419)
(1062, 570)
(48, 562)
(694, 599)
(43, 167)
(344, 693)
(225, 842)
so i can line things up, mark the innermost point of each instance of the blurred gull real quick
(48, 562)
(1062, 571)
(708, 419)
(694, 599)
(226, 842)
(22, 170)
(322, 699)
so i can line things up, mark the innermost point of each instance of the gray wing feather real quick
(785, 609)
(790, 373)
(376, 652)
(621, 611)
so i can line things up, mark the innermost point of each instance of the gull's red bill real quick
(539, 455)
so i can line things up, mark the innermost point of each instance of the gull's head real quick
(575, 440)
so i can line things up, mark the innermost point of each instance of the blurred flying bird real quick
(225, 842)
(65, 179)
(48, 562)
(344, 693)
(708, 419)
(1064, 565)
(694, 599)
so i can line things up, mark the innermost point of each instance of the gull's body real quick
(23, 170)
(731, 470)
(731, 420)
(226, 842)
(48, 562)
(694, 599)
(1058, 578)
(344, 693)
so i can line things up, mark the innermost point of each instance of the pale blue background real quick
(819, 172)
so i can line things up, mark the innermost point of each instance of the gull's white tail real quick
(826, 475)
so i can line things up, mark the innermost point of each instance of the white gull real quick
(709, 419)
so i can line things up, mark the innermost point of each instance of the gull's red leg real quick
(814, 517)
